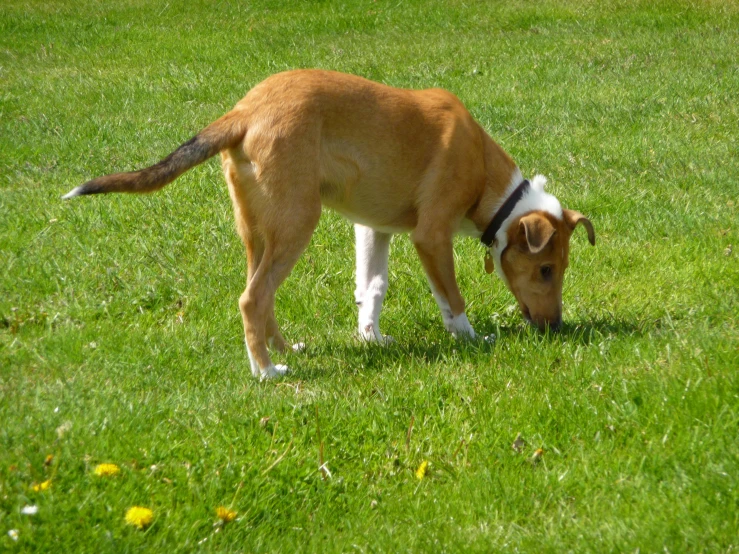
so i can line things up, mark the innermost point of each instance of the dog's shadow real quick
(588, 332)
(354, 356)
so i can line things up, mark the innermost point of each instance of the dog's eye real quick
(546, 272)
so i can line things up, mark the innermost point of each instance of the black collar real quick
(488, 237)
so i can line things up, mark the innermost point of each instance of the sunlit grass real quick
(121, 341)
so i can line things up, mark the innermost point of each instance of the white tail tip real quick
(77, 191)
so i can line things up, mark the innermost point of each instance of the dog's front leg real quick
(435, 250)
(373, 250)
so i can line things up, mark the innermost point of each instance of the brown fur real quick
(391, 159)
(539, 240)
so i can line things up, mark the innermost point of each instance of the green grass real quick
(119, 318)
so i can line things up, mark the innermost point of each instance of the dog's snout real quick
(543, 323)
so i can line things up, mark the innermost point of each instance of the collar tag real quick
(489, 264)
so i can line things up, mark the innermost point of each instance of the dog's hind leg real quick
(255, 251)
(239, 176)
(237, 181)
(373, 250)
(283, 247)
(281, 204)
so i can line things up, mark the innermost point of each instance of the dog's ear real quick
(572, 218)
(538, 231)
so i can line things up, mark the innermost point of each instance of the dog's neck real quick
(503, 178)
(501, 215)
(494, 194)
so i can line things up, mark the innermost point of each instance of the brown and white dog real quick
(391, 161)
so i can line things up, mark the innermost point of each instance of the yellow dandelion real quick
(106, 470)
(41, 487)
(538, 453)
(422, 469)
(225, 515)
(139, 517)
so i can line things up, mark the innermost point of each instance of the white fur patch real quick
(252, 362)
(274, 371)
(77, 191)
(533, 199)
(460, 327)
(373, 250)
(446, 310)
(269, 372)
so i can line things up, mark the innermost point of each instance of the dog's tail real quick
(220, 134)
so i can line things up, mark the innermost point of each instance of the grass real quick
(121, 341)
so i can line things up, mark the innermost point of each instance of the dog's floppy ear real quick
(572, 218)
(538, 230)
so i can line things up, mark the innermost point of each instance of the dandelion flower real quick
(29, 510)
(538, 453)
(225, 515)
(106, 470)
(422, 469)
(41, 487)
(139, 517)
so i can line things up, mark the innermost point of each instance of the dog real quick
(390, 160)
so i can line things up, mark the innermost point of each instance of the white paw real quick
(369, 333)
(460, 327)
(273, 371)
(298, 347)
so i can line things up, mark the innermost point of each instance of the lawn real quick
(121, 340)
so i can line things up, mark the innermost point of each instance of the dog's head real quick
(535, 260)
(532, 254)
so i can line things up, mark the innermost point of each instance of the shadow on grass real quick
(587, 332)
(433, 346)
(581, 332)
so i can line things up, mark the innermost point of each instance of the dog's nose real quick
(553, 325)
